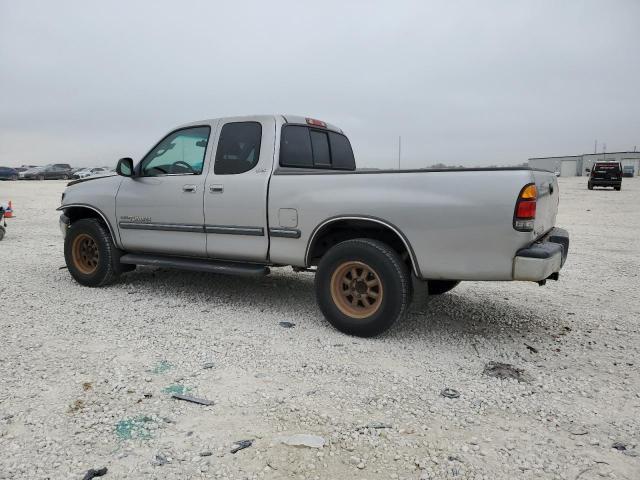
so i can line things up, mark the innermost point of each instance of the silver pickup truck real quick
(240, 195)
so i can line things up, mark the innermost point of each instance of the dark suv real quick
(606, 174)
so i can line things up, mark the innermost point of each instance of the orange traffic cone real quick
(8, 213)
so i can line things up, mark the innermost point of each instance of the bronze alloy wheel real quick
(356, 289)
(85, 254)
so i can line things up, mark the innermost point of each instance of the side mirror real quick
(587, 170)
(125, 167)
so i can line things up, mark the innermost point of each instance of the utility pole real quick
(595, 146)
(399, 150)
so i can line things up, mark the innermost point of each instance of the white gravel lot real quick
(83, 371)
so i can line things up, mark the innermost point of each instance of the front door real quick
(235, 199)
(160, 209)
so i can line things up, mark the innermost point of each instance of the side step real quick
(195, 264)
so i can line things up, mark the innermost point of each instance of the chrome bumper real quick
(64, 224)
(543, 258)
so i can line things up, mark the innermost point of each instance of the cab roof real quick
(283, 118)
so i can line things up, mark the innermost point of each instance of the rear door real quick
(160, 209)
(235, 199)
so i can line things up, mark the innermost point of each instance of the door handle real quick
(216, 188)
(189, 188)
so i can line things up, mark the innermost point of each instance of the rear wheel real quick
(40, 177)
(617, 188)
(14, 177)
(362, 287)
(438, 287)
(91, 257)
(589, 186)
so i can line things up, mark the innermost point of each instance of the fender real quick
(390, 226)
(116, 239)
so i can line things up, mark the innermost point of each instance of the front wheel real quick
(41, 177)
(438, 287)
(91, 257)
(362, 287)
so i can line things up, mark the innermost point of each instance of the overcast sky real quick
(471, 83)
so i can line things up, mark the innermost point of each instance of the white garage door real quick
(568, 168)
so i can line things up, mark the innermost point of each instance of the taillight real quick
(525, 212)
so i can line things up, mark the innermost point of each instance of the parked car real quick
(8, 173)
(284, 190)
(605, 174)
(628, 171)
(24, 168)
(54, 171)
(88, 172)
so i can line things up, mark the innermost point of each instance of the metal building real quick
(577, 165)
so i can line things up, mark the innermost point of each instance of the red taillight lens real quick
(525, 212)
(526, 209)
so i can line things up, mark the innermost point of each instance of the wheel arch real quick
(79, 211)
(336, 229)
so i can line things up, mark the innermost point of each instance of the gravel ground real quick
(86, 374)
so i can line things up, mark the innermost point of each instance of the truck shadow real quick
(290, 297)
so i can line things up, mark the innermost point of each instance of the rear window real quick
(606, 167)
(305, 147)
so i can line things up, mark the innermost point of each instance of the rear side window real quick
(341, 152)
(295, 147)
(305, 147)
(238, 148)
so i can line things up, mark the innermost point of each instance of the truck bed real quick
(458, 222)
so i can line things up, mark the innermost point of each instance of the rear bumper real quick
(543, 258)
(606, 183)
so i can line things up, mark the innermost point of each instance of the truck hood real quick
(100, 193)
(86, 179)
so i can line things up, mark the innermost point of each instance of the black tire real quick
(589, 186)
(65, 177)
(386, 269)
(618, 188)
(14, 178)
(438, 287)
(106, 267)
(40, 177)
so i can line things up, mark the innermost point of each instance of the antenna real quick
(595, 146)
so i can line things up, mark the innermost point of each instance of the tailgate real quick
(547, 206)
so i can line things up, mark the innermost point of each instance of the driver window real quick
(179, 153)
